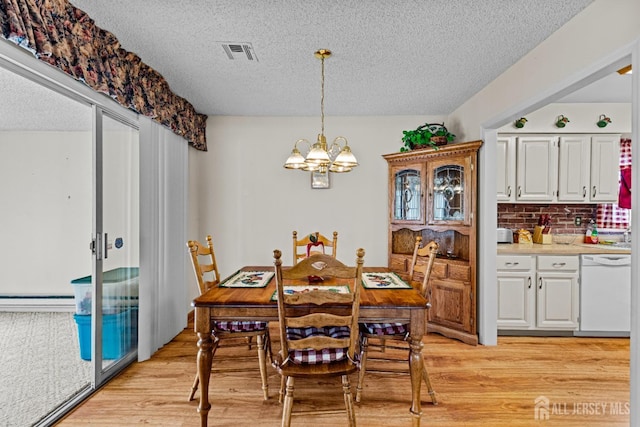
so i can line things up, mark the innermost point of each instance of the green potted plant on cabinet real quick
(425, 136)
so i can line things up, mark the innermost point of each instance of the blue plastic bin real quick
(120, 291)
(117, 336)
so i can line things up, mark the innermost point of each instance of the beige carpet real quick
(40, 365)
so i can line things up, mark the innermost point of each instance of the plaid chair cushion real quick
(240, 326)
(313, 357)
(385, 328)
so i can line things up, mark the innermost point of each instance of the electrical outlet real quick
(577, 221)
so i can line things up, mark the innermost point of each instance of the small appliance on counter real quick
(505, 235)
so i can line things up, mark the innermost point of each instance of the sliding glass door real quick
(116, 243)
(69, 185)
(45, 224)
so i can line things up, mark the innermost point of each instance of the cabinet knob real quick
(509, 191)
(428, 305)
(593, 194)
(540, 283)
(529, 282)
(584, 191)
(519, 191)
(559, 264)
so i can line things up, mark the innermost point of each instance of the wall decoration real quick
(562, 121)
(603, 121)
(520, 122)
(320, 180)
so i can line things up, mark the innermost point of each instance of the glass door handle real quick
(96, 246)
(106, 246)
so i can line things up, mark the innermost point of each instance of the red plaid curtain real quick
(610, 215)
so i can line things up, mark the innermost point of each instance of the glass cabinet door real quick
(408, 194)
(449, 198)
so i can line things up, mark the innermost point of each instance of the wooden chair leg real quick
(267, 337)
(348, 400)
(283, 384)
(364, 342)
(194, 387)
(432, 393)
(262, 360)
(288, 403)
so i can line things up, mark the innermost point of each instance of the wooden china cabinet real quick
(433, 193)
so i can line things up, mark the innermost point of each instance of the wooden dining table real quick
(251, 303)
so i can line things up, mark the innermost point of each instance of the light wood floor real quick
(476, 386)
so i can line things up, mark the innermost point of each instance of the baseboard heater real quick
(37, 303)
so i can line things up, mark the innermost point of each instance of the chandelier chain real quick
(322, 97)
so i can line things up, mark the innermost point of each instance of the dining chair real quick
(375, 335)
(205, 268)
(315, 341)
(313, 243)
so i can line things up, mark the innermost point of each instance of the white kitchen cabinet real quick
(605, 166)
(557, 292)
(538, 292)
(588, 168)
(516, 297)
(506, 168)
(574, 168)
(536, 168)
(557, 169)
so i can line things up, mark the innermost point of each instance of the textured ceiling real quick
(390, 57)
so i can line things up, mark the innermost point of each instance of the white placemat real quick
(383, 280)
(248, 279)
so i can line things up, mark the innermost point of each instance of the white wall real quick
(45, 219)
(46, 194)
(250, 204)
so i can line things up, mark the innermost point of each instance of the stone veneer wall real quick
(517, 216)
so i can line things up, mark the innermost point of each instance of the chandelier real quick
(323, 158)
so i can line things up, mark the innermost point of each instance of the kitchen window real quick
(610, 215)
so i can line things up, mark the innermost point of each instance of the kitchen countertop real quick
(557, 249)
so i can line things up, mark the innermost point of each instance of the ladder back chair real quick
(313, 243)
(316, 342)
(375, 335)
(205, 269)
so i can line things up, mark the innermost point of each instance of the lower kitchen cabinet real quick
(557, 293)
(516, 298)
(538, 292)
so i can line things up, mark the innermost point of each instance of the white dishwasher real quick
(605, 295)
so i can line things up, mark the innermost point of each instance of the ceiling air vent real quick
(239, 51)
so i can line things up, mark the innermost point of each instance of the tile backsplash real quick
(517, 216)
